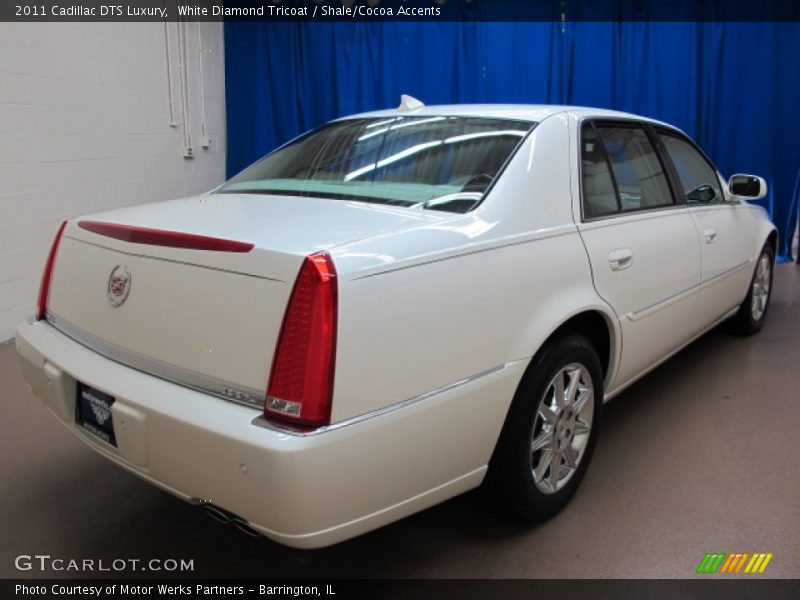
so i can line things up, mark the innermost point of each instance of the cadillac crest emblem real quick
(119, 285)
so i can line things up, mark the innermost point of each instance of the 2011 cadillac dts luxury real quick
(392, 310)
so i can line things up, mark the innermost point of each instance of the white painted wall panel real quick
(84, 126)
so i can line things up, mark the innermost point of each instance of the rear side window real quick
(640, 178)
(698, 178)
(621, 171)
(599, 194)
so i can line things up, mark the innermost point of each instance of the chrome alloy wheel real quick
(761, 283)
(561, 428)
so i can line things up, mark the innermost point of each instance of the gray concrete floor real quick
(702, 455)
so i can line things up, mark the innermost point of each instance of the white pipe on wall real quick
(170, 93)
(188, 151)
(205, 141)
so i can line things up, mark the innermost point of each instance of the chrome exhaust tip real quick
(245, 527)
(220, 515)
(217, 514)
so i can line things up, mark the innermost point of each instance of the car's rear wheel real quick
(753, 311)
(550, 431)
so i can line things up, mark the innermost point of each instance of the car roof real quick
(525, 112)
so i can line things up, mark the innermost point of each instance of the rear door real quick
(640, 239)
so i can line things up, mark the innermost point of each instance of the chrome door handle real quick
(620, 259)
(710, 235)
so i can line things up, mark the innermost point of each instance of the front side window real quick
(439, 163)
(698, 179)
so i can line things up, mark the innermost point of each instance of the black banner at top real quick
(400, 10)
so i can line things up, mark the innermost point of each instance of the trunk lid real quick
(202, 318)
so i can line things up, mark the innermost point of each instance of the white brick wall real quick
(84, 126)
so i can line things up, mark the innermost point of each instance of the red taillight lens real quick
(301, 383)
(44, 287)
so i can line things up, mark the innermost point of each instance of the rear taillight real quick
(44, 287)
(301, 382)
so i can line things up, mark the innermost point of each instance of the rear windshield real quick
(439, 163)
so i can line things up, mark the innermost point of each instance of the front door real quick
(725, 260)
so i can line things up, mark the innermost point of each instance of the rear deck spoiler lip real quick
(162, 237)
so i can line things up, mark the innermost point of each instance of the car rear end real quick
(206, 366)
(194, 343)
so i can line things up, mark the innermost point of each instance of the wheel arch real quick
(595, 326)
(599, 327)
(772, 240)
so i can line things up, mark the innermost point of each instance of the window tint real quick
(641, 182)
(699, 181)
(599, 196)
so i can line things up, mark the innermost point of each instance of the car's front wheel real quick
(549, 434)
(753, 311)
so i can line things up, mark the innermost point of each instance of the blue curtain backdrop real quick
(733, 86)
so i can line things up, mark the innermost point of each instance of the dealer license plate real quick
(93, 413)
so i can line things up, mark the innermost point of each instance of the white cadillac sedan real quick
(393, 309)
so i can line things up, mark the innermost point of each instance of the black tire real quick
(511, 480)
(748, 320)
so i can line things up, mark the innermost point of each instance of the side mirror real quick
(747, 186)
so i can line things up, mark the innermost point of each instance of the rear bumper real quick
(303, 491)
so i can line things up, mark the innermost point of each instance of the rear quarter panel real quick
(422, 309)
